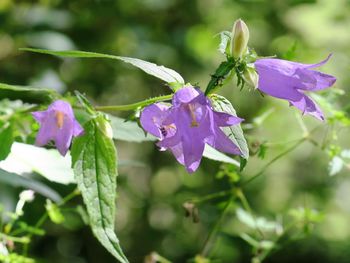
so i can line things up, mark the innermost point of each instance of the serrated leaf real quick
(27, 94)
(213, 154)
(225, 38)
(27, 183)
(235, 133)
(94, 160)
(128, 131)
(6, 140)
(161, 72)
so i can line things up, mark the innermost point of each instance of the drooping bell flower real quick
(57, 124)
(291, 81)
(187, 125)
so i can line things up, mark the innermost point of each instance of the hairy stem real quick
(134, 106)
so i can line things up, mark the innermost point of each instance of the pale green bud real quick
(240, 38)
(251, 77)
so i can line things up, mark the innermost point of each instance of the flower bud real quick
(251, 77)
(240, 37)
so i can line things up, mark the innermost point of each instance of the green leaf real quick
(27, 94)
(242, 163)
(128, 130)
(94, 160)
(6, 140)
(27, 183)
(213, 154)
(161, 72)
(235, 133)
(225, 38)
(54, 212)
(25, 158)
(220, 75)
(259, 223)
(335, 165)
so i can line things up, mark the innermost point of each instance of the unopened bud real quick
(251, 77)
(240, 37)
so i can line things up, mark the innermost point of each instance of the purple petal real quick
(317, 64)
(185, 95)
(48, 129)
(39, 116)
(223, 119)
(170, 142)
(314, 80)
(308, 106)
(152, 117)
(222, 143)
(62, 106)
(178, 153)
(77, 129)
(193, 152)
(64, 136)
(277, 81)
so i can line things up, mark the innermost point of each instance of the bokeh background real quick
(152, 186)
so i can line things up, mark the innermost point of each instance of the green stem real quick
(243, 199)
(134, 106)
(212, 196)
(24, 240)
(219, 76)
(215, 229)
(274, 160)
(43, 218)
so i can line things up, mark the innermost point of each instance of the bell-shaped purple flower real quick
(290, 80)
(187, 125)
(57, 124)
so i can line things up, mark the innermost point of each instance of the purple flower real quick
(290, 80)
(187, 125)
(57, 124)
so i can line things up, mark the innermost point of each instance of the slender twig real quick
(44, 217)
(134, 106)
(213, 196)
(24, 240)
(216, 227)
(274, 160)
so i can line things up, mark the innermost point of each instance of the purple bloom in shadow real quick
(57, 124)
(290, 80)
(187, 125)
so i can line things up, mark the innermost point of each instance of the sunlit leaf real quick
(235, 132)
(213, 154)
(161, 72)
(225, 38)
(94, 160)
(25, 158)
(128, 131)
(27, 94)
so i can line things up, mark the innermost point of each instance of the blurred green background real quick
(152, 186)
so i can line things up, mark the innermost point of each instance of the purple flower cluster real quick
(187, 125)
(290, 80)
(57, 124)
